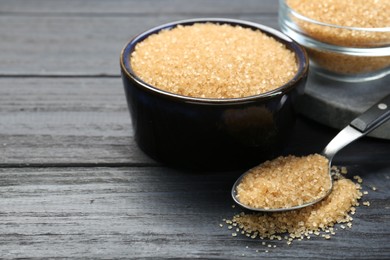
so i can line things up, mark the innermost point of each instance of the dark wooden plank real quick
(77, 45)
(161, 213)
(143, 211)
(137, 7)
(86, 121)
(65, 120)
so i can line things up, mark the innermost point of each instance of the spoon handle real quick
(373, 117)
(360, 126)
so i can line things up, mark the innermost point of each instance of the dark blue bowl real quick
(212, 134)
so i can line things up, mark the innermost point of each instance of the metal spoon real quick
(359, 127)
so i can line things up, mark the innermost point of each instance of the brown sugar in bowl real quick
(212, 132)
(347, 40)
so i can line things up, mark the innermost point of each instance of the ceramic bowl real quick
(341, 53)
(206, 133)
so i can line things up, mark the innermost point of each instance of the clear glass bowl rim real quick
(283, 4)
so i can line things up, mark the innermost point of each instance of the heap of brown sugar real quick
(211, 60)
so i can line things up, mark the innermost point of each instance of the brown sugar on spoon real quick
(285, 182)
(314, 220)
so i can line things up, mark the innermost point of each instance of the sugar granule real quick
(285, 182)
(211, 60)
(350, 14)
(309, 220)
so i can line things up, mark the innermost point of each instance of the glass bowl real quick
(351, 54)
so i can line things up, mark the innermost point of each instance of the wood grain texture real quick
(73, 183)
(80, 120)
(137, 7)
(58, 42)
(65, 120)
(160, 213)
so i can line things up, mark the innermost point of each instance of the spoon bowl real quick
(359, 127)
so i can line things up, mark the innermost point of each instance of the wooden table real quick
(73, 184)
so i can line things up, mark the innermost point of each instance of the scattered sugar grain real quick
(211, 60)
(334, 168)
(315, 219)
(358, 178)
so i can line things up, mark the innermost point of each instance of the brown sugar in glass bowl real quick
(222, 128)
(347, 40)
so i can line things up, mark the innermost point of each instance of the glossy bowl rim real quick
(299, 51)
(283, 3)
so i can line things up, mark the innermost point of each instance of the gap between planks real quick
(79, 165)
